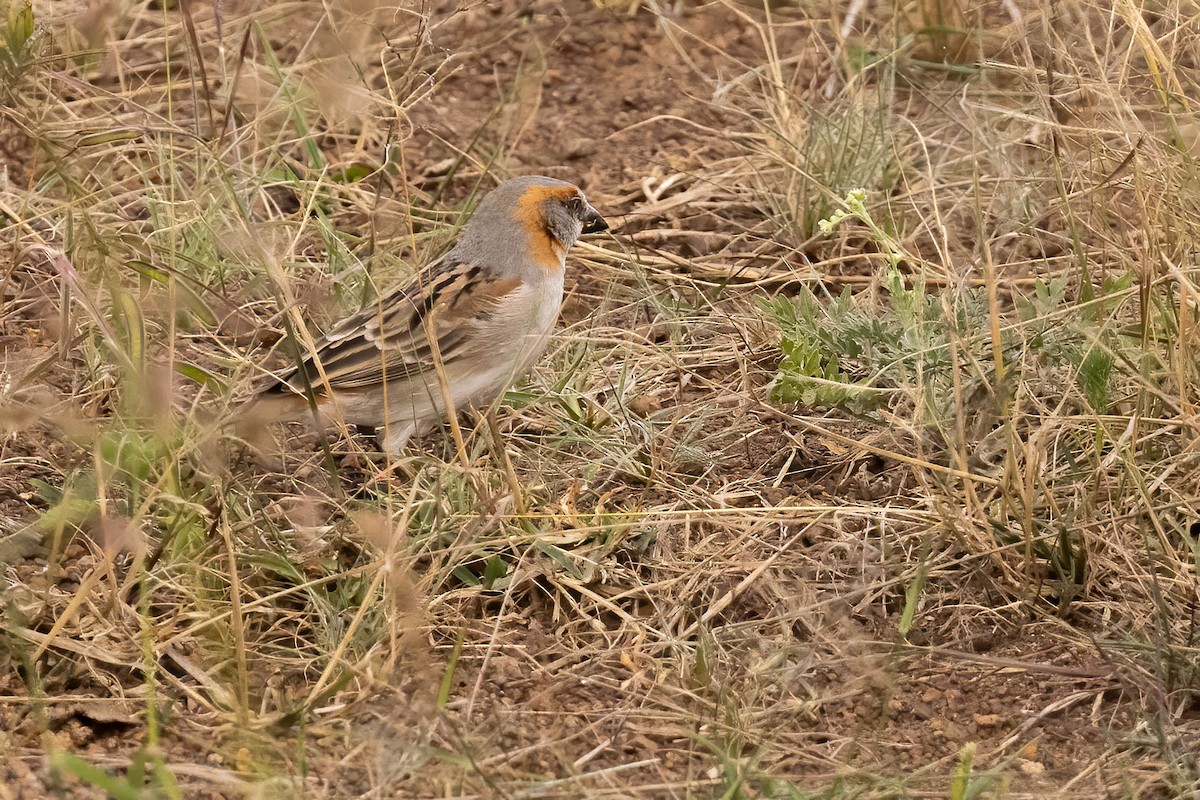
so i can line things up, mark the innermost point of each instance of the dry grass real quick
(961, 558)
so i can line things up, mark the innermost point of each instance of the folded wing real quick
(406, 333)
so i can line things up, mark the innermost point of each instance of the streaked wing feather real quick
(390, 340)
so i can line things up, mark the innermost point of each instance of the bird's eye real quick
(575, 206)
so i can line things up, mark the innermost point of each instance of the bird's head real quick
(548, 213)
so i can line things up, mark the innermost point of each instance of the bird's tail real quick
(250, 419)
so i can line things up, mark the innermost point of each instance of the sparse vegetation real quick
(864, 464)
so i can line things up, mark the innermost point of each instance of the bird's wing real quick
(406, 332)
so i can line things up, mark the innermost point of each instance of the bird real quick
(457, 334)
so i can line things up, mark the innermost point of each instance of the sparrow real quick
(456, 335)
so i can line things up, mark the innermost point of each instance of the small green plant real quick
(814, 156)
(967, 783)
(847, 353)
(16, 43)
(145, 765)
(1083, 340)
(805, 153)
(844, 355)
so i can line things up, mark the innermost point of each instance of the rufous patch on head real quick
(545, 249)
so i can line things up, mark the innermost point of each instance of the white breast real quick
(520, 330)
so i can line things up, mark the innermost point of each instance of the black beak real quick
(593, 222)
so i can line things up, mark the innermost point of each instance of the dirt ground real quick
(785, 673)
